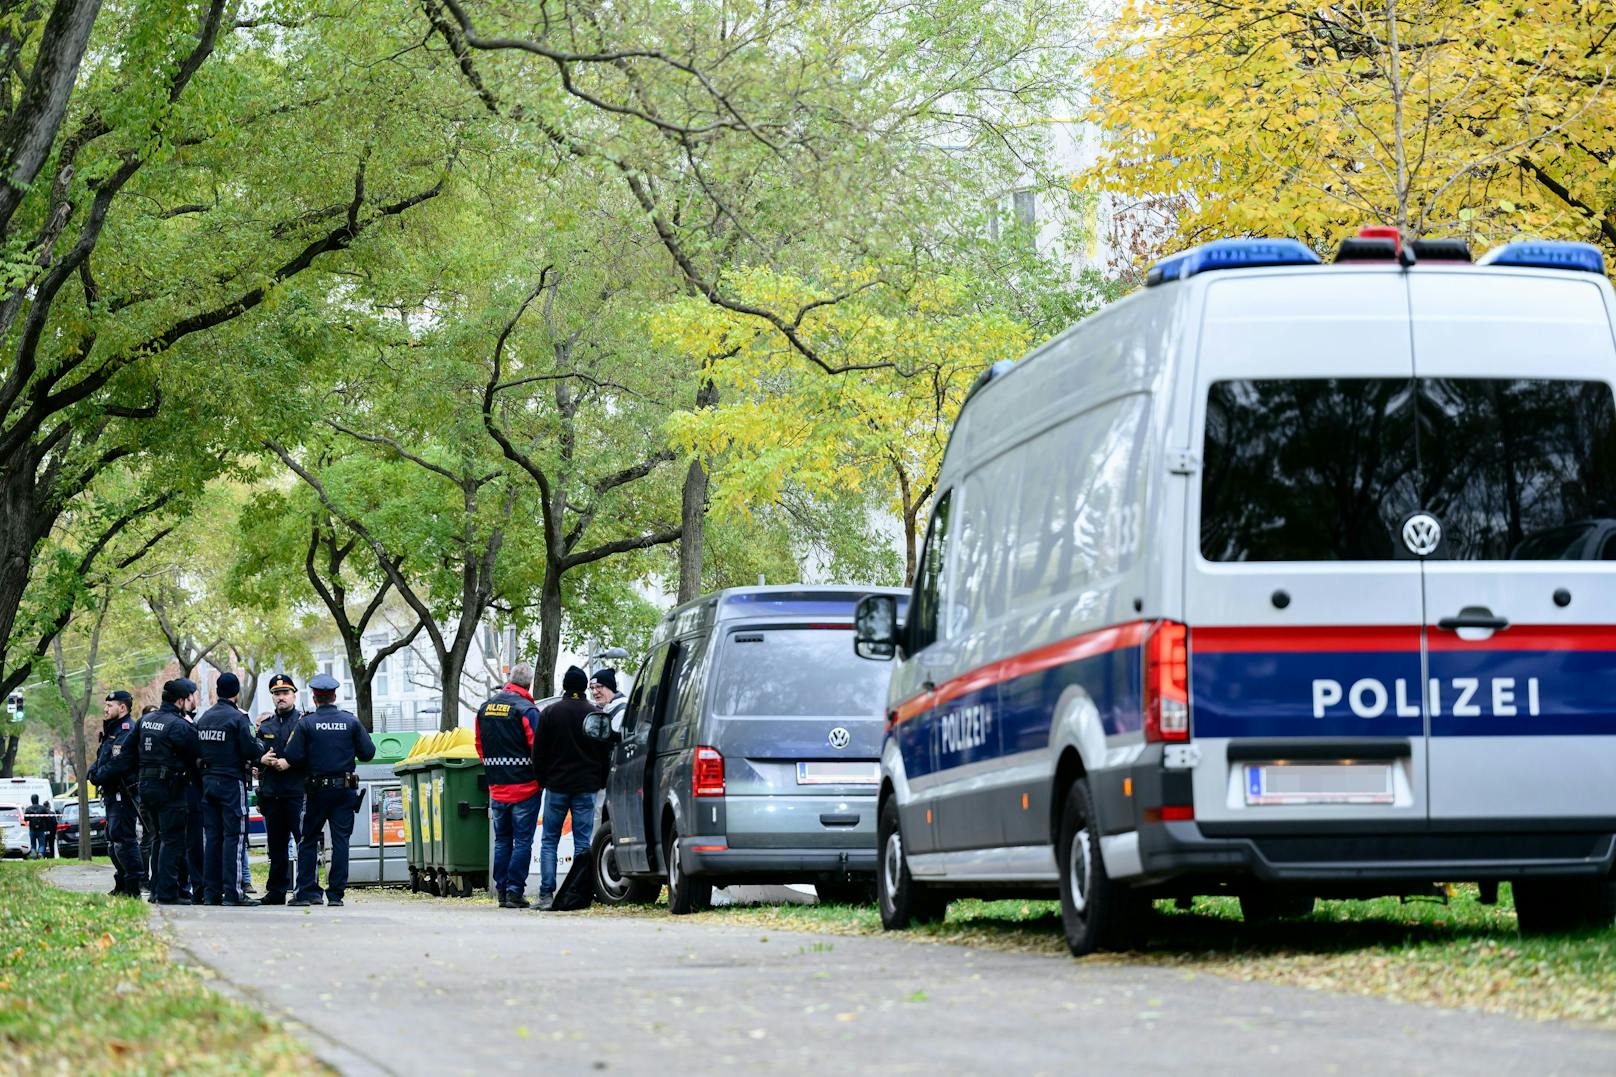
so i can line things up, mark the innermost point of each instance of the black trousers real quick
(283, 823)
(148, 840)
(221, 838)
(191, 863)
(129, 871)
(164, 802)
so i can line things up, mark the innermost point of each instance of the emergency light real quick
(1547, 254)
(1231, 254)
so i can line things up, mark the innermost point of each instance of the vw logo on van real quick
(1422, 534)
(840, 737)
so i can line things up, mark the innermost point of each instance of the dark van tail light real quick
(708, 776)
(1167, 682)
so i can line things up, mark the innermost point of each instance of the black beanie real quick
(607, 678)
(228, 686)
(574, 681)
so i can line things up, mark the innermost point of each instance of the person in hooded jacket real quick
(570, 766)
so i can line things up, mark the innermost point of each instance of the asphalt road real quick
(405, 986)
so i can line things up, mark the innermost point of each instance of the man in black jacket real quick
(166, 759)
(280, 787)
(570, 766)
(107, 775)
(228, 748)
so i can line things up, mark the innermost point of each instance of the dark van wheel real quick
(1261, 906)
(685, 895)
(1098, 914)
(1552, 906)
(902, 901)
(611, 886)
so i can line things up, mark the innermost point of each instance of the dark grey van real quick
(751, 752)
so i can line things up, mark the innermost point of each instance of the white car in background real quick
(13, 831)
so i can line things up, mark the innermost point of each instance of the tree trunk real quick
(81, 766)
(909, 551)
(454, 668)
(544, 671)
(364, 702)
(692, 530)
(9, 759)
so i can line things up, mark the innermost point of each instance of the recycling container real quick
(445, 794)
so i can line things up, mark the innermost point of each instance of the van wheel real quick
(1097, 913)
(685, 895)
(845, 893)
(612, 887)
(1552, 906)
(902, 901)
(1266, 906)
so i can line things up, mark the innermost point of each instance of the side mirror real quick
(875, 627)
(598, 726)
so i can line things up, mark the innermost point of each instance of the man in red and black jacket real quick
(506, 725)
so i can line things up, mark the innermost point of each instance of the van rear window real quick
(798, 672)
(1326, 469)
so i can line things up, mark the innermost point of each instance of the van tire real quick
(1097, 913)
(612, 887)
(1553, 906)
(1266, 906)
(902, 901)
(685, 895)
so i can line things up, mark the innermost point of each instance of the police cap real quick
(120, 696)
(324, 682)
(281, 680)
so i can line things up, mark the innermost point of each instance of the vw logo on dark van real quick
(840, 737)
(1422, 534)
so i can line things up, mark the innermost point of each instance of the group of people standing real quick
(178, 771)
(551, 758)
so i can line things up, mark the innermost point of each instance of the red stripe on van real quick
(1530, 638)
(1273, 640)
(1088, 645)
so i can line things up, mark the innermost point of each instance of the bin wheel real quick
(685, 895)
(415, 881)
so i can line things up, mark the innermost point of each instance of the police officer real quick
(166, 759)
(332, 741)
(110, 774)
(280, 786)
(228, 749)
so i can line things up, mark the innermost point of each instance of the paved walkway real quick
(405, 986)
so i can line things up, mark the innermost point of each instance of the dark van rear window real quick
(1326, 469)
(798, 672)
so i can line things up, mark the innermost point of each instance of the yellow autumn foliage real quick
(1484, 119)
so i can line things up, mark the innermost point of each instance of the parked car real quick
(13, 831)
(750, 753)
(67, 830)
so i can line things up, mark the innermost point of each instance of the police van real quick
(1275, 579)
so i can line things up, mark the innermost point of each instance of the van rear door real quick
(1518, 451)
(1304, 609)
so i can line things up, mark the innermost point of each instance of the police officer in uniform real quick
(110, 774)
(228, 747)
(280, 786)
(166, 759)
(332, 741)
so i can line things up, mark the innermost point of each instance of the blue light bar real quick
(1547, 254)
(1231, 254)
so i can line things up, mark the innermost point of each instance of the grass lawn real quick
(1461, 954)
(86, 986)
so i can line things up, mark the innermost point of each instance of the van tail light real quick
(1167, 682)
(708, 776)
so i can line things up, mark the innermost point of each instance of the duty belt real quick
(161, 774)
(329, 781)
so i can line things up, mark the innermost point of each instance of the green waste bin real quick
(446, 813)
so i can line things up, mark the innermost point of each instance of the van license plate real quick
(1319, 783)
(838, 773)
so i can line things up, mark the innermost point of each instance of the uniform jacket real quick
(107, 772)
(165, 740)
(565, 758)
(278, 731)
(506, 726)
(332, 741)
(226, 742)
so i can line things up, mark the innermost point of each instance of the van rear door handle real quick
(1473, 617)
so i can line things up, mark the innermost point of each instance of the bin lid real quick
(437, 747)
(391, 747)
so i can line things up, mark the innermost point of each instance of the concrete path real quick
(405, 986)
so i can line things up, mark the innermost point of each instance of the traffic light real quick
(14, 707)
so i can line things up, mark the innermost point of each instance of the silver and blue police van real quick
(1275, 579)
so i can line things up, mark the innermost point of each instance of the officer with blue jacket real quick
(110, 774)
(166, 759)
(228, 748)
(280, 786)
(331, 744)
